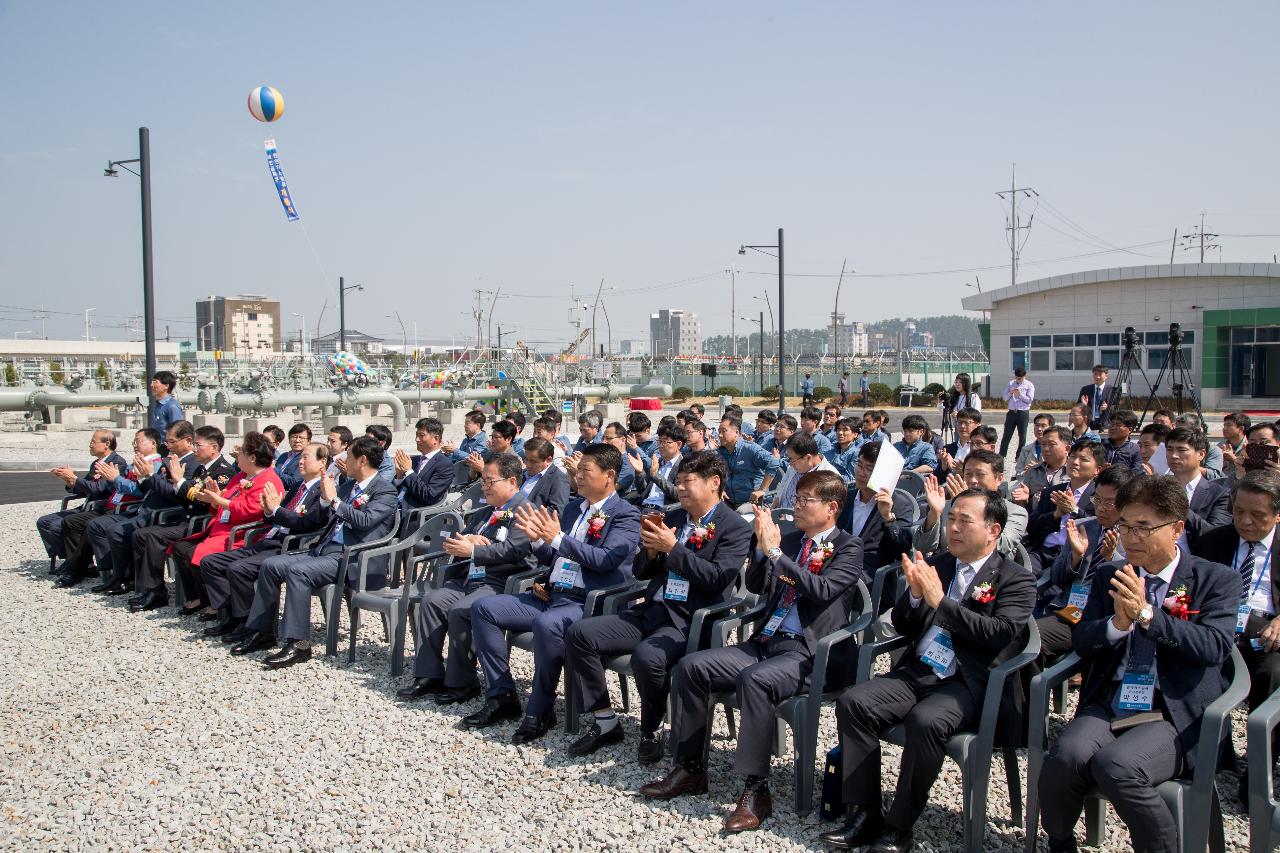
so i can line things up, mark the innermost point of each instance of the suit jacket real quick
(881, 542)
(1043, 520)
(551, 490)
(1062, 574)
(667, 485)
(373, 519)
(309, 517)
(982, 635)
(287, 468)
(1087, 391)
(604, 560)
(1219, 545)
(934, 539)
(429, 486)
(505, 556)
(1210, 508)
(91, 486)
(1189, 653)
(711, 570)
(1124, 454)
(823, 599)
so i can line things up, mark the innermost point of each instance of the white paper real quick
(889, 465)
(1159, 462)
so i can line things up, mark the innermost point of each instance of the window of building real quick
(1041, 341)
(1018, 359)
(1086, 340)
(1019, 341)
(252, 317)
(1063, 360)
(1157, 339)
(1063, 340)
(1084, 359)
(1108, 340)
(1156, 358)
(1110, 359)
(1039, 360)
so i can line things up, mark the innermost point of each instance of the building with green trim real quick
(1059, 327)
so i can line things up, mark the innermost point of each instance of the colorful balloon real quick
(266, 103)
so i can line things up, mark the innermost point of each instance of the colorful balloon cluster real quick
(347, 363)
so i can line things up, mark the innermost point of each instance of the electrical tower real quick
(1014, 225)
(1197, 240)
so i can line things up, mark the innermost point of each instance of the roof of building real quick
(986, 301)
(352, 335)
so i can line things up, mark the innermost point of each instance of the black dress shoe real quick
(186, 610)
(241, 633)
(594, 739)
(293, 652)
(106, 586)
(121, 588)
(651, 748)
(151, 601)
(137, 599)
(69, 580)
(457, 695)
(893, 841)
(223, 628)
(494, 710)
(209, 616)
(421, 687)
(860, 829)
(256, 641)
(533, 728)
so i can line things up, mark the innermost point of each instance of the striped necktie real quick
(1246, 569)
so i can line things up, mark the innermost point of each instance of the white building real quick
(850, 338)
(86, 353)
(1059, 327)
(674, 333)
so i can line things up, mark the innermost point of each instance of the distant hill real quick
(949, 330)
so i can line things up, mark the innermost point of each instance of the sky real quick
(437, 149)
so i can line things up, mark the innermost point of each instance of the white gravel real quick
(128, 731)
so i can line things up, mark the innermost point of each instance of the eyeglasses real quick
(805, 500)
(1105, 504)
(1139, 532)
(489, 481)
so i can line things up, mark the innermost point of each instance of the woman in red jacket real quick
(241, 503)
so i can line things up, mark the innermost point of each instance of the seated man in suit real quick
(803, 456)
(286, 464)
(965, 612)
(591, 546)
(1149, 440)
(491, 550)
(986, 472)
(339, 439)
(91, 486)
(915, 449)
(1091, 543)
(239, 503)
(1209, 500)
(150, 544)
(658, 482)
(76, 544)
(752, 470)
(229, 576)
(1051, 470)
(545, 484)
(1047, 528)
(882, 520)
(967, 420)
(1120, 449)
(363, 510)
(804, 580)
(424, 478)
(691, 559)
(1213, 453)
(1155, 635)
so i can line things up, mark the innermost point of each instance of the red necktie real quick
(789, 597)
(297, 498)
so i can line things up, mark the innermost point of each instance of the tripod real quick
(1128, 362)
(1179, 370)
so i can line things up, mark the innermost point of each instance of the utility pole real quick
(1014, 226)
(478, 313)
(782, 332)
(733, 315)
(1198, 237)
(595, 306)
(835, 320)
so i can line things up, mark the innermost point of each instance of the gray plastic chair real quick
(332, 595)
(1194, 802)
(1264, 808)
(972, 750)
(800, 712)
(392, 602)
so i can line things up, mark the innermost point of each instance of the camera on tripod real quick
(1130, 339)
(1175, 334)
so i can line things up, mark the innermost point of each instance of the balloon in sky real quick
(266, 103)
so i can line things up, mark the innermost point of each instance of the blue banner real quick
(277, 175)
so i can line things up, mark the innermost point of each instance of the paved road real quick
(21, 486)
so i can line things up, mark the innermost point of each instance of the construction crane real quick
(571, 348)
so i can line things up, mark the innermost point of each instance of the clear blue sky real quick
(438, 148)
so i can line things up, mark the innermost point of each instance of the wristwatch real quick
(774, 553)
(892, 518)
(1145, 615)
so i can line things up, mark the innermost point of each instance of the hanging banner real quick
(277, 175)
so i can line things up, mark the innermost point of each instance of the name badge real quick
(1137, 691)
(1257, 645)
(1079, 596)
(677, 588)
(1242, 616)
(774, 621)
(224, 516)
(475, 573)
(565, 575)
(938, 652)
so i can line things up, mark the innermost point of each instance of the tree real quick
(103, 375)
(55, 372)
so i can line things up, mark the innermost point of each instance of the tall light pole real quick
(404, 336)
(342, 311)
(761, 322)
(148, 279)
(835, 320)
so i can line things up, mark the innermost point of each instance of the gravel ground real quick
(128, 731)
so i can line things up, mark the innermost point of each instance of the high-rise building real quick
(850, 337)
(674, 332)
(245, 325)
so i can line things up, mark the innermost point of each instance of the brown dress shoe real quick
(679, 781)
(754, 806)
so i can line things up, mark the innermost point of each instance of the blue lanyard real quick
(1266, 563)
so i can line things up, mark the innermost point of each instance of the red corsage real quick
(1179, 603)
(984, 593)
(701, 535)
(359, 502)
(595, 525)
(818, 556)
(500, 516)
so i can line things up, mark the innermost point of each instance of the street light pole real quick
(148, 278)
(342, 311)
(782, 323)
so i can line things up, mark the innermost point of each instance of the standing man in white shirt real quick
(1019, 394)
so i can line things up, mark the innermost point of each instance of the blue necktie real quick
(337, 537)
(1142, 649)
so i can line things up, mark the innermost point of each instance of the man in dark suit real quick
(1209, 500)
(1155, 635)
(657, 482)
(1120, 449)
(287, 464)
(1091, 543)
(591, 546)
(490, 551)
(150, 543)
(90, 485)
(1250, 545)
(1094, 398)
(691, 558)
(1047, 527)
(544, 483)
(363, 510)
(229, 576)
(965, 612)
(424, 478)
(804, 579)
(882, 521)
